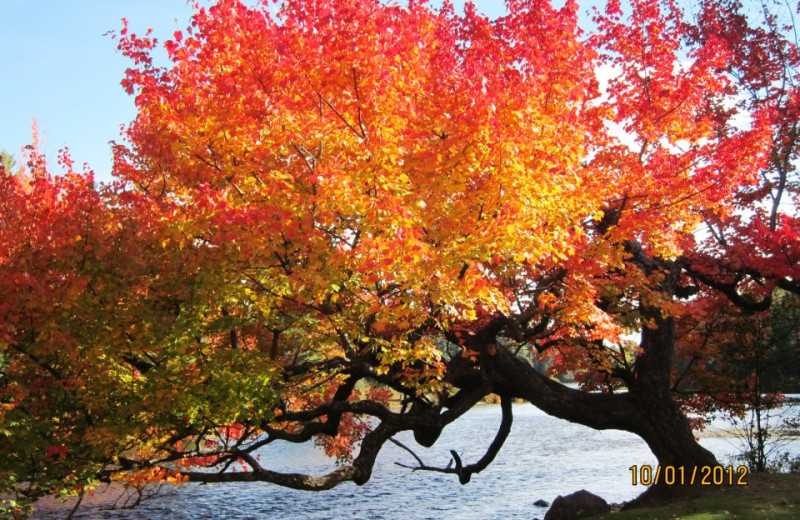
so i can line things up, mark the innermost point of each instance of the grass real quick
(766, 497)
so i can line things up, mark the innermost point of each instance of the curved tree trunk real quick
(660, 421)
(666, 431)
(646, 409)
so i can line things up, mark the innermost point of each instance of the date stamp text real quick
(688, 476)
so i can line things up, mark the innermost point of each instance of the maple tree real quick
(86, 311)
(752, 251)
(349, 201)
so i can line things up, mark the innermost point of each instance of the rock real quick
(541, 503)
(580, 504)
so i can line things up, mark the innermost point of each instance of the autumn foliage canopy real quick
(316, 211)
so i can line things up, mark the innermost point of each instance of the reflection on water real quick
(543, 457)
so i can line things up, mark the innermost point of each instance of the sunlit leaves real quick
(351, 192)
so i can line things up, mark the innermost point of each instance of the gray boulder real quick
(580, 504)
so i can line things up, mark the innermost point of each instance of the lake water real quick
(543, 457)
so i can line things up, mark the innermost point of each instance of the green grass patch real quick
(766, 497)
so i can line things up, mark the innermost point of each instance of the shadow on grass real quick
(773, 497)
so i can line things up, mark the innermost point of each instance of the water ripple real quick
(543, 457)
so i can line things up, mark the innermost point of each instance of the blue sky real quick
(57, 66)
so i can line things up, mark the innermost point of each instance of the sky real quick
(58, 66)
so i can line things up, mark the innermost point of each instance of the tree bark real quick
(646, 409)
(667, 433)
(661, 423)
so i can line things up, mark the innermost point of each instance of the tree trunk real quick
(660, 421)
(647, 409)
(666, 431)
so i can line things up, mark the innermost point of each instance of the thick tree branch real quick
(599, 411)
(290, 480)
(358, 472)
(730, 291)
